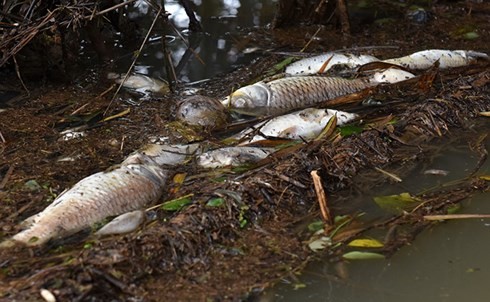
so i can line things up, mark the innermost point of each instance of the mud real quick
(258, 235)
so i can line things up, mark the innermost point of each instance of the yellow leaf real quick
(485, 177)
(485, 113)
(365, 243)
(179, 178)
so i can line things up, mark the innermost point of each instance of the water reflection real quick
(198, 55)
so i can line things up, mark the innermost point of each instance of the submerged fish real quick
(447, 58)
(203, 111)
(306, 124)
(232, 156)
(140, 83)
(324, 62)
(104, 194)
(285, 94)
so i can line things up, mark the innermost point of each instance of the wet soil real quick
(259, 235)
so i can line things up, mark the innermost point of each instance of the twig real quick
(286, 178)
(112, 8)
(2, 138)
(391, 175)
(6, 177)
(17, 71)
(194, 24)
(322, 199)
(311, 39)
(455, 216)
(134, 61)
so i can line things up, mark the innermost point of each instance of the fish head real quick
(250, 97)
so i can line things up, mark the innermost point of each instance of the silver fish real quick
(305, 124)
(232, 156)
(124, 189)
(140, 83)
(285, 94)
(447, 58)
(318, 64)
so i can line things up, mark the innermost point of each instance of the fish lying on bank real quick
(232, 156)
(447, 58)
(306, 124)
(285, 94)
(140, 83)
(100, 195)
(324, 62)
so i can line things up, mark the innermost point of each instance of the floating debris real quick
(306, 124)
(285, 94)
(436, 172)
(232, 156)
(122, 224)
(92, 199)
(202, 111)
(140, 83)
(447, 58)
(325, 62)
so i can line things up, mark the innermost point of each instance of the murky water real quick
(199, 55)
(448, 262)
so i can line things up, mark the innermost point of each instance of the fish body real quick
(306, 124)
(232, 156)
(318, 64)
(282, 95)
(447, 58)
(140, 83)
(285, 94)
(100, 195)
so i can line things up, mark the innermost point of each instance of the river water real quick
(448, 262)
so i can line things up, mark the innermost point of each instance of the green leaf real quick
(299, 286)
(471, 35)
(176, 204)
(365, 243)
(215, 202)
(349, 130)
(397, 203)
(356, 255)
(453, 209)
(315, 226)
(320, 244)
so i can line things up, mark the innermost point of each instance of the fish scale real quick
(289, 93)
(94, 198)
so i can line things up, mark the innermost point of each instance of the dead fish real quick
(202, 111)
(285, 94)
(162, 155)
(447, 58)
(305, 124)
(100, 195)
(140, 83)
(232, 156)
(122, 224)
(391, 75)
(324, 62)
